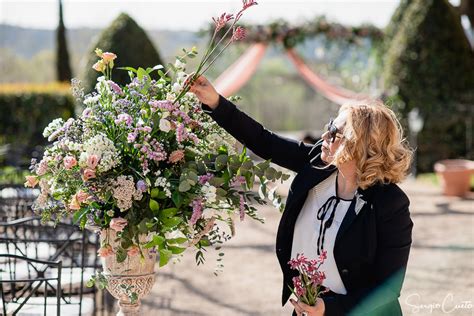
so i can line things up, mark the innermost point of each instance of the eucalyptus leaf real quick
(184, 186)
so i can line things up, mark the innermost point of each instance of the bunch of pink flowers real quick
(307, 285)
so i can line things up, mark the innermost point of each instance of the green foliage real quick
(26, 112)
(395, 22)
(63, 69)
(430, 65)
(129, 41)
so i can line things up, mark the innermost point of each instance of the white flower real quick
(181, 76)
(176, 87)
(165, 125)
(209, 192)
(179, 65)
(208, 213)
(105, 150)
(124, 192)
(91, 100)
(174, 234)
(53, 127)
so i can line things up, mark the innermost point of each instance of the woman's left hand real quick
(301, 308)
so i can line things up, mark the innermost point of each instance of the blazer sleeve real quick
(282, 151)
(393, 247)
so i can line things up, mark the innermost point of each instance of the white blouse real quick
(305, 236)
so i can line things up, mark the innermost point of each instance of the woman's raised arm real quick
(282, 151)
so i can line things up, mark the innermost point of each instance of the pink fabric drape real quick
(237, 75)
(333, 93)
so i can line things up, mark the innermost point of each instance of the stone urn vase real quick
(455, 176)
(134, 275)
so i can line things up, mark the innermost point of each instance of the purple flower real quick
(87, 112)
(197, 210)
(115, 87)
(124, 118)
(141, 185)
(205, 178)
(131, 137)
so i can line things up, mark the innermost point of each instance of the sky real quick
(190, 14)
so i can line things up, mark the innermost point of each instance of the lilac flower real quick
(86, 113)
(180, 133)
(131, 136)
(242, 208)
(115, 87)
(205, 178)
(197, 210)
(127, 119)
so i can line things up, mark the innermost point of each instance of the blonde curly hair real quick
(373, 138)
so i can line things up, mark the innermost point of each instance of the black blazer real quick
(371, 248)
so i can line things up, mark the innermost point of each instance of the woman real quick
(343, 200)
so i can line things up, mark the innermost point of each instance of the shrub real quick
(129, 41)
(430, 66)
(26, 110)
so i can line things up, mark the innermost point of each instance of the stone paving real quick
(439, 281)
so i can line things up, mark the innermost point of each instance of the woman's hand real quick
(204, 91)
(305, 310)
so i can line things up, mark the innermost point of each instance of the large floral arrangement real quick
(144, 159)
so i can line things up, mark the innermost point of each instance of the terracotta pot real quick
(455, 176)
(134, 273)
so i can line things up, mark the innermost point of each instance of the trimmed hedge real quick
(26, 111)
(430, 65)
(131, 44)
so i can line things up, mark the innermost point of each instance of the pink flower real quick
(105, 251)
(42, 167)
(221, 21)
(238, 34)
(74, 204)
(197, 211)
(176, 156)
(69, 162)
(107, 57)
(205, 178)
(242, 208)
(31, 181)
(246, 4)
(133, 250)
(124, 117)
(115, 87)
(88, 174)
(82, 196)
(92, 161)
(238, 181)
(118, 224)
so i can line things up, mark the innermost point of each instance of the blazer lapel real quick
(360, 200)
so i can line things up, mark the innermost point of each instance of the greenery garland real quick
(281, 31)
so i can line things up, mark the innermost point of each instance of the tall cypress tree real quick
(132, 45)
(63, 69)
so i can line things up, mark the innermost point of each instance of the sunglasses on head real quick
(333, 131)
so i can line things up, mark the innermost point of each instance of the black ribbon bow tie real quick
(332, 202)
